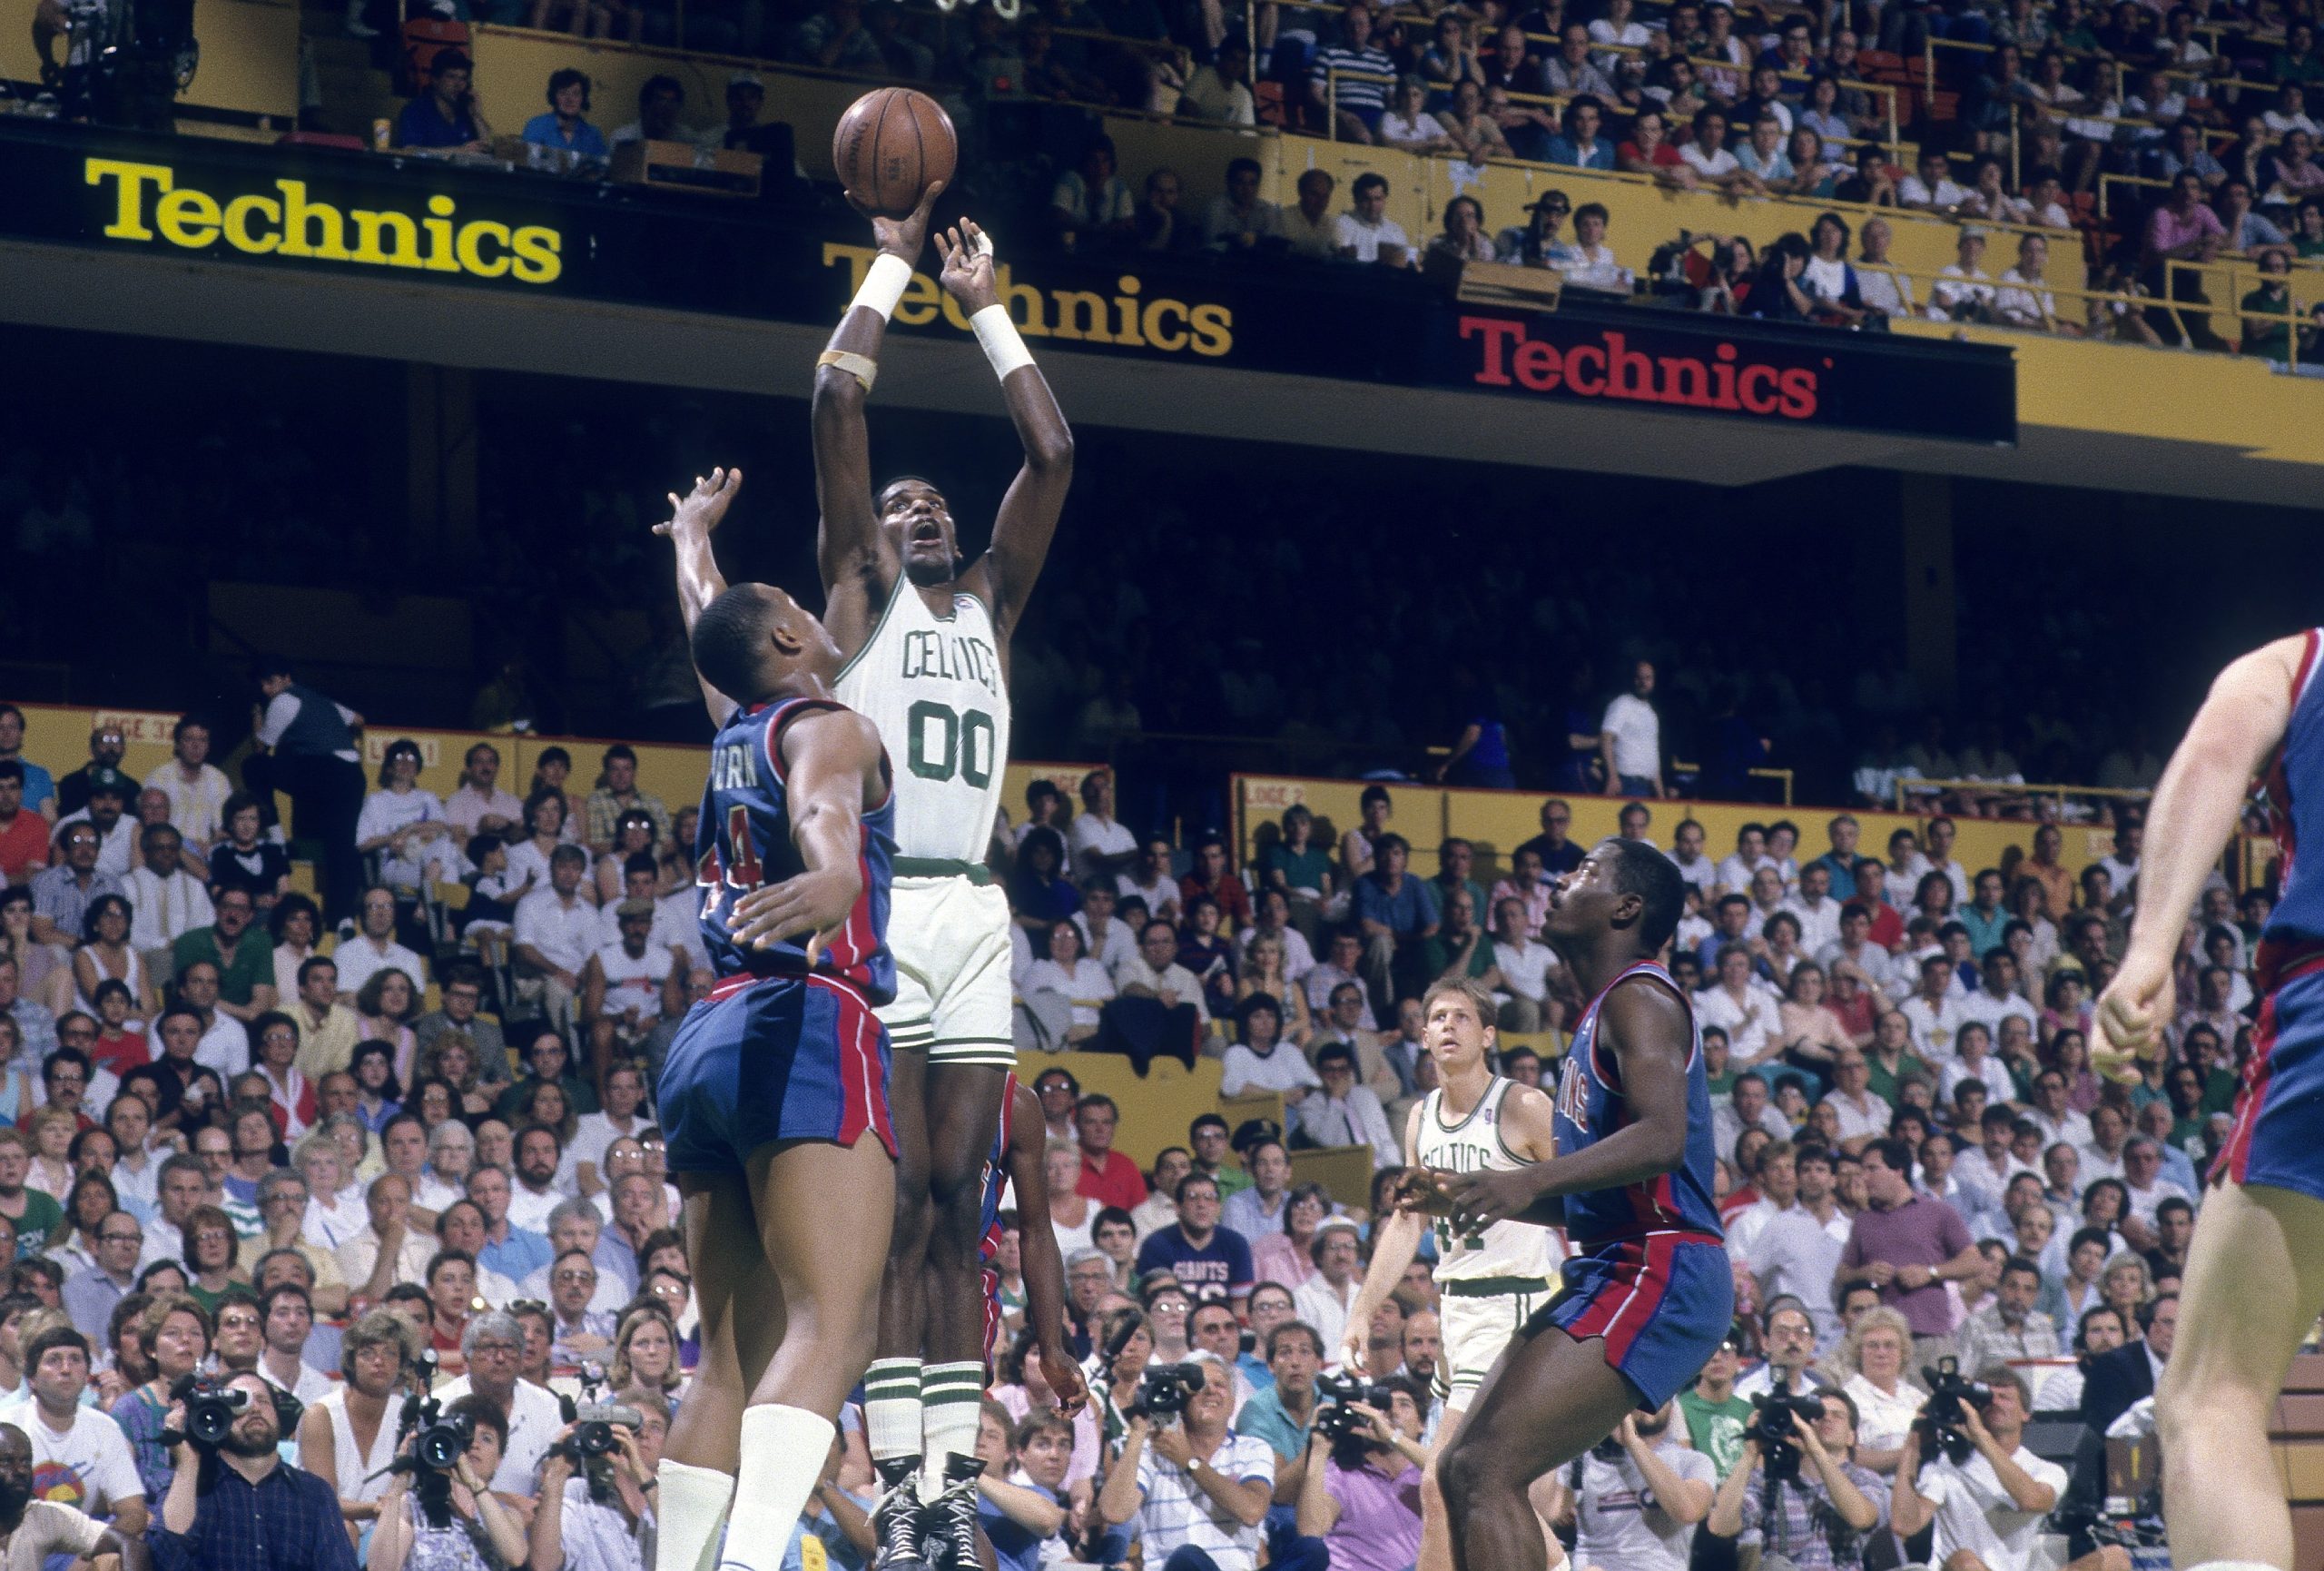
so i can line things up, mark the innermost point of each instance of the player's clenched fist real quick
(2134, 1013)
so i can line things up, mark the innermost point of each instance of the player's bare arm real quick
(1393, 1250)
(1646, 1029)
(2195, 808)
(692, 520)
(856, 564)
(1040, 1260)
(1026, 522)
(832, 768)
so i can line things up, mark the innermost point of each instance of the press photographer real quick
(1798, 1493)
(596, 1499)
(1965, 1469)
(233, 1505)
(439, 1513)
(1636, 1497)
(1197, 1490)
(1361, 1490)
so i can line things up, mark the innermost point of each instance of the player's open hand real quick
(1480, 1199)
(904, 237)
(2132, 1014)
(699, 510)
(967, 274)
(815, 902)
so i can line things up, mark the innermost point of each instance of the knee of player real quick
(1469, 1473)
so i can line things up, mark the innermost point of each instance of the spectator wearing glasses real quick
(578, 1330)
(494, 1344)
(90, 1293)
(62, 894)
(1822, 1518)
(243, 1509)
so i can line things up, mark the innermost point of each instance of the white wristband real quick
(884, 282)
(998, 334)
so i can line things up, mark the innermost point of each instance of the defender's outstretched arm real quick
(699, 581)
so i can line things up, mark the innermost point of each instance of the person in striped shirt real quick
(1351, 79)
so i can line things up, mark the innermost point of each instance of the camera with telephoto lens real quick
(1336, 1399)
(212, 1407)
(1950, 1397)
(1771, 1425)
(1166, 1389)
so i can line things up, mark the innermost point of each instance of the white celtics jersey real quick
(1517, 1249)
(932, 686)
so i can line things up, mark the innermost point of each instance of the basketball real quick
(891, 145)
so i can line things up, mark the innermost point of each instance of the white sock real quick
(891, 1396)
(783, 1452)
(2235, 1565)
(690, 1507)
(954, 1397)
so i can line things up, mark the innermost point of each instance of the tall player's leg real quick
(968, 1060)
(892, 1419)
(2222, 1495)
(818, 1207)
(1548, 1399)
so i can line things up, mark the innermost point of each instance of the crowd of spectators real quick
(301, 1142)
(1688, 95)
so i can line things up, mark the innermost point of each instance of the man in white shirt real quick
(1746, 1107)
(1798, 1252)
(1993, 1506)
(1270, 918)
(1989, 1165)
(1366, 233)
(1933, 187)
(2106, 1154)
(1101, 845)
(1819, 912)
(478, 805)
(625, 983)
(1776, 1179)
(1932, 1012)
(536, 1194)
(165, 901)
(79, 1455)
(1524, 968)
(1324, 1299)
(1734, 872)
(1998, 998)
(1741, 1005)
(1154, 971)
(1343, 964)
(107, 814)
(2123, 865)
(2051, 1115)
(289, 1318)
(1686, 855)
(494, 1343)
(1631, 736)
(1346, 1113)
(1863, 1115)
(374, 949)
(196, 787)
(1855, 947)
(620, 1115)
(556, 932)
(1939, 858)
(2142, 1176)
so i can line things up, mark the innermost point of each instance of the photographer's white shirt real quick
(1617, 1521)
(1177, 1511)
(1974, 1512)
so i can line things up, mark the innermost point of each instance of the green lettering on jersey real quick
(946, 742)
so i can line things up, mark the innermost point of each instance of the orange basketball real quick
(891, 145)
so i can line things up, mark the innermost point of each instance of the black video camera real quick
(1950, 1397)
(1165, 1389)
(1336, 1396)
(1771, 1425)
(211, 1408)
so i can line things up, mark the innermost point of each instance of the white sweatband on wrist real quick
(884, 282)
(998, 334)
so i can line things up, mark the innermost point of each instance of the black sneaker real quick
(953, 1516)
(896, 1517)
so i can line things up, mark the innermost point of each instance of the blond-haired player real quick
(1491, 1279)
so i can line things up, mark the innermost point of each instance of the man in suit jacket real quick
(2129, 1373)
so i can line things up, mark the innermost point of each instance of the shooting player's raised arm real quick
(699, 582)
(848, 552)
(1028, 519)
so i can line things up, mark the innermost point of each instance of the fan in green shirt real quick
(1715, 1415)
(1441, 951)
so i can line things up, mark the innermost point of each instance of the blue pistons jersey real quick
(1590, 1106)
(743, 842)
